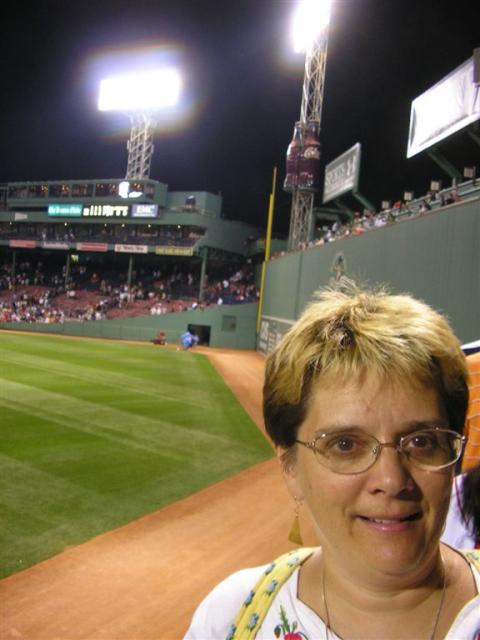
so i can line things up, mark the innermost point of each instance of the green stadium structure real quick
(435, 257)
(139, 217)
(123, 224)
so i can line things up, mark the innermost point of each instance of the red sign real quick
(92, 246)
(23, 244)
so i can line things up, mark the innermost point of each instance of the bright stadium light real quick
(139, 92)
(143, 96)
(309, 20)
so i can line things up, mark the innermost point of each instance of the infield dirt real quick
(144, 580)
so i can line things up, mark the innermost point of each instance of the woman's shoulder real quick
(467, 622)
(216, 613)
(473, 558)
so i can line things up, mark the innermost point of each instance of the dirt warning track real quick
(144, 580)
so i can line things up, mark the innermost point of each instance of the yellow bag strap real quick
(473, 556)
(253, 611)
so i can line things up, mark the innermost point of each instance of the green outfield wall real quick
(228, 326)
(436, 257)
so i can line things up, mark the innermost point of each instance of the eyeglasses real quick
(353, 452)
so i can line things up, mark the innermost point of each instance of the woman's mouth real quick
(412, 516)
(391, 524)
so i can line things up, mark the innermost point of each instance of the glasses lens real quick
(432, 448)
(346, 452)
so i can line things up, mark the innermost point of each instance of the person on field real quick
(365, 399)
(189, 339)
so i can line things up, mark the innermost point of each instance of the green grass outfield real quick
(95, 434)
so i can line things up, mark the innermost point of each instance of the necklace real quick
(435, 622)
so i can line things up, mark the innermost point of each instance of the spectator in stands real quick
(425, 207)
(462, 529)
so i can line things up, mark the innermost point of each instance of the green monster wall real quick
(435, 257)
(230, 326)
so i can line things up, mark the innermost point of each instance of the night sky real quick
(244, 85)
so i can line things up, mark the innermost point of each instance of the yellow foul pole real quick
(268, 237)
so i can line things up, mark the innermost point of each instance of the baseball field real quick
(141, 580)
(95, 434)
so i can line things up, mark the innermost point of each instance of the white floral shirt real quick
(288, 617)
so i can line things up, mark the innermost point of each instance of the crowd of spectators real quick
(368, 220)
(164, 235)
(40, 293)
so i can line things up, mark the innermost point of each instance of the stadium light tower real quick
(310, 35)
(141, 95)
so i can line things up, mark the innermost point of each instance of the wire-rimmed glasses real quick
(354, 451)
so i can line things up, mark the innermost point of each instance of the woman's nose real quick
(390, 474)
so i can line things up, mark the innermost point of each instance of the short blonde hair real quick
(351, 333)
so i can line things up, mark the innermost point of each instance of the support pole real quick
(140, 146)
(14, 265)
(444, 164)
(203, 271)
(301, 215)
(474, 136)
(268, 237)
(67, 271)
(129, 275)
(363, 200)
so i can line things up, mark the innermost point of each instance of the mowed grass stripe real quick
(82, 454)
(26, 367)
(105, 422)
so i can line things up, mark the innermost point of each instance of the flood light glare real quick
(139, 92)
(309, 20)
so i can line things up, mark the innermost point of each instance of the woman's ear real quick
(288, 464)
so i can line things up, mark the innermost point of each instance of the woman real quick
(365, 399)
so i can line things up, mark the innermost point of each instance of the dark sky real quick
(382, 54)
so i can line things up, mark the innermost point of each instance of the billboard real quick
(91, 246)
(271, 332)
(173, 251)
(130, 248)
(55, 245)
(341, 175)
(106, 211)
(448, 106)
(65, 210)
(22, 244)
(144, 210)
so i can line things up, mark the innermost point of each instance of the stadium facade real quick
(435, 256)
(124, 224)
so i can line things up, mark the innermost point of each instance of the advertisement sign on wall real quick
(55, 245)
(144, 210)
(448, 106)
(91, 246)
(130, 248)
(65, 210)
(342, 174)
(106, 211)
(174, 251)
(22, 244)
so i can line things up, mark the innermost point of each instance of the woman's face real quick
(390, 517)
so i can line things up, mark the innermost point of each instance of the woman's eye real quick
(422, 441)
(343, 444)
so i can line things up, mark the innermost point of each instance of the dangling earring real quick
(295, 535)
